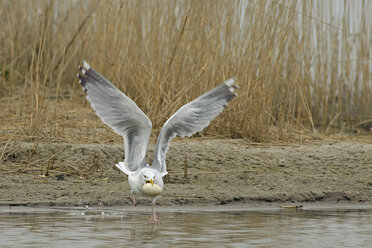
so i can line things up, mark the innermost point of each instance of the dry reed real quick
(298, 72)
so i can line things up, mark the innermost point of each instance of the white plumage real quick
(119, 112)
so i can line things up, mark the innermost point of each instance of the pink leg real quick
(154, 218)
(133, 197)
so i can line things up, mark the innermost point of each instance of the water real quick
(188, 227)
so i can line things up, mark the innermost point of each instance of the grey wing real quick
(120, 113)
(191, 118)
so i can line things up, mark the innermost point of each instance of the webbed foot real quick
(154, 220)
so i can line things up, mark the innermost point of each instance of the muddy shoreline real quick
(219, 172)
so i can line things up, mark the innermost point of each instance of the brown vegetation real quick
(297, 72)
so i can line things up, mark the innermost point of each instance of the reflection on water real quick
(273, 228)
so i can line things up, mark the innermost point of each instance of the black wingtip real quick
(86, 65)
(81, 80)
(230, 83)
(84, 68)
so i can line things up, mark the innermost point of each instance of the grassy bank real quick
(298, 72)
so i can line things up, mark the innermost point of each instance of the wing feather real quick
(120, 113)
(191, 118)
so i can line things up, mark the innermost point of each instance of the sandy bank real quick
(220, 172)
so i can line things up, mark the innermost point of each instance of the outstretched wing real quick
(120, 113)
(191, 118)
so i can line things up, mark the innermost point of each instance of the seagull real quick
(122, 114)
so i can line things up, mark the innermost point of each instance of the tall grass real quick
(297, 71)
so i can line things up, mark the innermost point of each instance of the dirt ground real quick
(219, 172)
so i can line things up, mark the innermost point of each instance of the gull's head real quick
(148, 177)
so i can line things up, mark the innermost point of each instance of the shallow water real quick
(203, 227)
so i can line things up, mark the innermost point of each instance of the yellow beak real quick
(151, 181)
